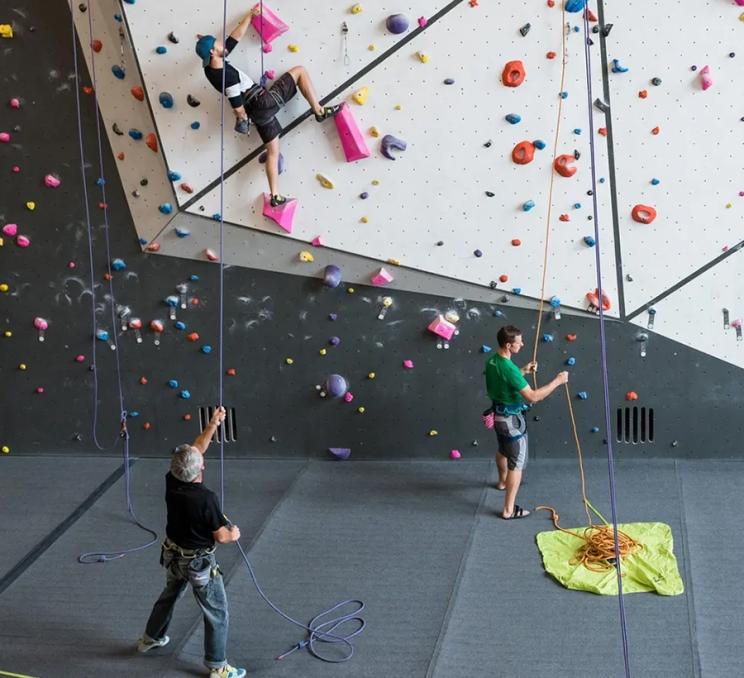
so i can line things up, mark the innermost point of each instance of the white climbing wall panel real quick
(435, 190)
(698, 154)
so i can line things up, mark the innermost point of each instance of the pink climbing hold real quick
(422, 21)
(4, 137)
(22, 241)
(211, 255)
(268, 26)
(80, 358)
(455, 454)
(382, 277)
(10, 230)
(15, 169)
(442, 327)
(317, 241)
(348, 396)
(351, 138)
(283, 215)
(15, 102)
(50, 181)
(408, 364)
(706, 79)
(40, 389)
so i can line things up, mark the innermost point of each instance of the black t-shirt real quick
(236, 82)
(193, 513)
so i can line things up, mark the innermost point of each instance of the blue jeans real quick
(206, 582)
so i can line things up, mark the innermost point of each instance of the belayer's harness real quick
(189, 554)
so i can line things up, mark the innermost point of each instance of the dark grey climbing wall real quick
(270, 317)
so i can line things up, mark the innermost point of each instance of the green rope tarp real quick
(654, 568)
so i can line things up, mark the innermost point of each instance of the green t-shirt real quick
(504, 381)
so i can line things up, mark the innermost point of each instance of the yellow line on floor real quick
(14, 675)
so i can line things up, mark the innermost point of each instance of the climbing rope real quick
(319, 629)
(103, 556)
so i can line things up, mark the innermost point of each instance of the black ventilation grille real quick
(228, 429)
(634, 425)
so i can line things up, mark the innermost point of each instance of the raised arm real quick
(205, 437)
(239, 31)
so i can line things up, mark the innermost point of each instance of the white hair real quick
(186, 463)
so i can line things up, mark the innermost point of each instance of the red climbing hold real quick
(108, 277)
(655, 130)
(593, 299)
(550, 55)
(143, 380)
(504, 278)
(121, 156)
(551, 3)
(643, 94)
(602, 131)
(153, 247)
(643, 214)
(152, 142)
(186, 188)
(570, 337)
(147, 426)
(563, 165)
(564, 217)
(138, 93)
(516, 242)
(513, 74)
(523, 152)
(631, 395)
(87, 90)
(96, 45)
(192, 337)
(187, 417)
(589, 15)
(231, 371)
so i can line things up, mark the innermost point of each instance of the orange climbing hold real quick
(121, 155)
(563, 165)
(643, 214)
(564, 217)
(138, 93)
(186, 188)
(96, 45)
(504, 278)
(87, 90)
(570, 337)
(551, 55)
(631, 395)
(593, 299)
(143, 380)
(602, 131)
(152, 142)
(523, 152)
(655, 130)
(516, 242)
(513, 74)
(643, 94)
(153, 247)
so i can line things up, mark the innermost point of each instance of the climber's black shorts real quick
(263, 106)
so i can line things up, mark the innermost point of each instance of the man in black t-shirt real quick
(250, 100)
(195, 523)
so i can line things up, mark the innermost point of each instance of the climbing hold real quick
(397, 23)
(706, 79)
(184, 395)
(340, 453)
(153, 247)
(160, 49)
(455, 454)
(317, 241)
(563, 166)
(523, 153)
(182, 232)
(11, 230)
(14, 103)
(389, 142)
(525, 29)
(504, 278)
(356, 9)
(325, 182)
(422, 21)
(135, 134)
(118, 265)
(408, 364)
(211, 255)
(582, 395)
(306, 257)
(478, 253)
(22, 241)
(655, 130)
(5, 449)
(351, 138)
(186, 188)
(281, 165)
(516, 242)
(571, 361)
(173, 176)
(513, 118)
(193, 337)
(570, 337)
(118, 72)
(589, 241)
(382, 277)
(513, 74)
(422, 57)
(332, 276)
(51, 181)
(172, 383)
(192, 101)
(564, 217)
(449, 81)
(656, 182)
(593, 299)
(138, 93)
(166, 99)
(152, 142)
(360, 96)
(442, 327)
(631, 395)
(539, 144)
(6, 31)
(282, 215)
(172, 38)
(574, 6)
(617, 67)
(206, 349)
(336, 386)
(165, 208)
(548, 338)
(643, 214)
(293, 48)
(268, 26)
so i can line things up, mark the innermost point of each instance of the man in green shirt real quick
(511, 396)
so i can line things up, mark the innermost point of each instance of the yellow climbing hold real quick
(306, 257)
(7, 333)
(374, 132)
(22, 367)
(323, 351)
(2, 243)
(741, 17)
(356, 9)
(364, 220)
(360, 96)
(371, 47)
(375, 182)
(423, 58)
(387, 302)
(433, 433)
(398, 107)
(371, 375)
(5, 449)
(289, 361)
(361, 409)
(4, 287)
(30, 205)
(6, 31)
(394, 262)
(728, 205)
(350, 290)
(293, 48)
(325, 182)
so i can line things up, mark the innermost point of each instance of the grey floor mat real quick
(38, 493)
(65, 620)
(391, 533)
(514, 619)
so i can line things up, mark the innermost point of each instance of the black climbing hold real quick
(590, 217)
(525, 29)
(595, 29)
(136, 193)
(172, 37)
(629, 277)
(589, 42)
(655, 81)
(490, 194)
(493, 284)
(449, 81)
(590, 192)
(535, 418)
(143, 182)
(577, 155)
(601, 105)
(606, 30)
(693, 68)
(192, 101)
(201, 208)
(82, 7)
(116, 129)
(488, 144)
(504, 300)
(440, 243)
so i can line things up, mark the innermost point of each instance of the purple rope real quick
(102, 556)
(603, 350)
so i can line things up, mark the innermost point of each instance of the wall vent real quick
(635, 425)
(229, 428)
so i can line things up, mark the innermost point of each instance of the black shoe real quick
(243, 126)
(278, 200)
(328, 112)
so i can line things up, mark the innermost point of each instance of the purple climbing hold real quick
(340, 453)
(332, 276)
(389, 142)
(336, 386)
(262, 159)
(364, 195)
(397, 23)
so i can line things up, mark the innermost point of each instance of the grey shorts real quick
(511, 432)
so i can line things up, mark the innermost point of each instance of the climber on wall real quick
(251, 101)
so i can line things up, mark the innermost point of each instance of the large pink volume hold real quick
(268, 25)
(351, 138)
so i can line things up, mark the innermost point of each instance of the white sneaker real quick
(227, 671)
(146, 644)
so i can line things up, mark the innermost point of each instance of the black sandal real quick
(278, 200)
(328, 112)
(519, 512)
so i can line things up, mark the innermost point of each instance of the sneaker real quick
(243, 126)
(227, 671)
(145, 644)
(278, 200)
(328, 112)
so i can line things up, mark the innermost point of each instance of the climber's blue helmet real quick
(204, 46)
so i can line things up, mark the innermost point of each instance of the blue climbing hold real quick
(486, 348)
(133, 414)
(173, 383)
(539, 144)
(135, 134)
(595, 429)
(601, 180)
(171, 300)
(118, 72)
(528, 205)
(582, 395)
(166, 99)
(118, 265)
(498, 314)
(655, 181)
(563, 95)
(574, 6)
(577, 205)
(102, 335)
(217, 216)
(589, 241)
(547, 338)
(517, 290)
(513, 118)
(332, 316)
(174, 176)
(117, 17)
(180, 325)
(577, 130)
(143, 241)
(195, 125)
(571, 361)
(166, 208)
(100, 181)
(206, 349)
(130, 2)
(185, 395)
(617, 67)
(183, 232)
(194, 278)
(555, 302)
(161, 50)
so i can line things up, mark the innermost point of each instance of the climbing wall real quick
(678, 149)
(453, 203)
